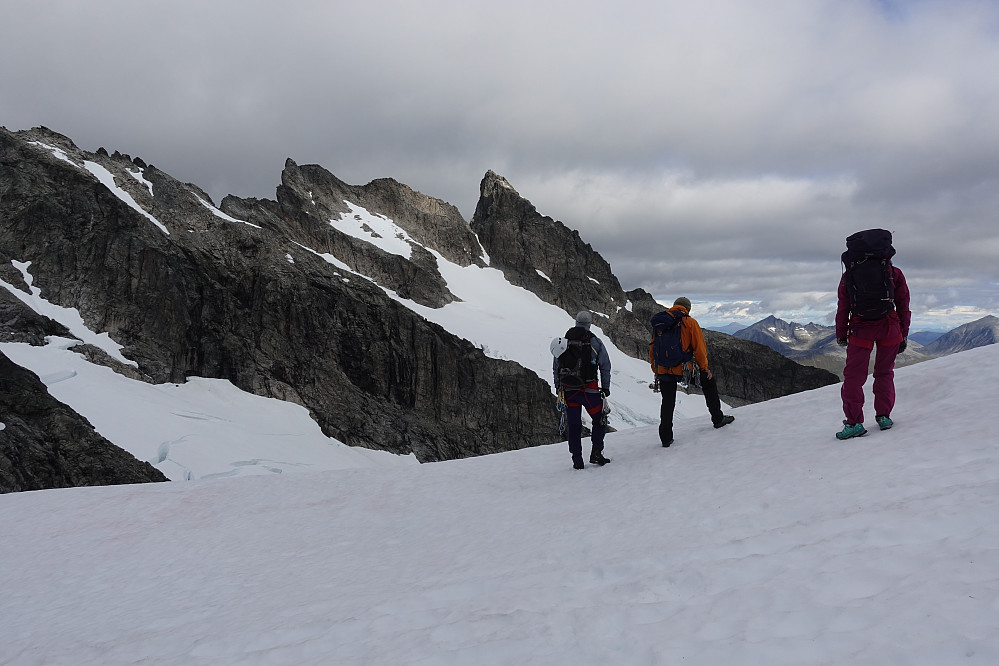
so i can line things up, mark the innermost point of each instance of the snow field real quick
(767, 541)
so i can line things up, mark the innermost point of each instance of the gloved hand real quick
(605, 392)
(905, 343)
(842, 342)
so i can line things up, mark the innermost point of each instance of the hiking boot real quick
(577, 464)
(725, 421)
(666, 444)
(883, 422)
(854, 430)
(598, 459)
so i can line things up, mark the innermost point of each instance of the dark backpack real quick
(576, 365)
(667, 349)
(868, 275)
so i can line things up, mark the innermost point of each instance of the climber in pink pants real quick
(886, 336)
(872, 314)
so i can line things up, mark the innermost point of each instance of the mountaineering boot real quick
(848, 431)
(598, 459)
(725, 421)
(883, 422)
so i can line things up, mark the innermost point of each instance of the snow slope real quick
(200, 429)
(510, 322)
(765, 542)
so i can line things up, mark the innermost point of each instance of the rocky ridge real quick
(216, 295)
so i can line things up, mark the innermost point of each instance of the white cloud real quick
(749, 134)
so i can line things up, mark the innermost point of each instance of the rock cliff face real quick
(544, 256)
(45, 444)
(245, 296)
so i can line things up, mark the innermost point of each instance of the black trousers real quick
(667, 386)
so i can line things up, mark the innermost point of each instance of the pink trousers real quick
(858, 359)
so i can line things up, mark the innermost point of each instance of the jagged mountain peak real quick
(492, 183)
(544, 256)
(791, 339)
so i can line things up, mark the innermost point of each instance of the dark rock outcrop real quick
(45, 444)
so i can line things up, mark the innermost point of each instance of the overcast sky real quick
(718, 149)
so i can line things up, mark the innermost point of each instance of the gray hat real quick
(584, 318)
(684, 301)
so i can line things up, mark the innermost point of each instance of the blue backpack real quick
(667, 349)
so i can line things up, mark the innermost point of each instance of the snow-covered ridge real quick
(218, 213)
(58, 152)
(107, 179)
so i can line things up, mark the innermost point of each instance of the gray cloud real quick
(720, 149)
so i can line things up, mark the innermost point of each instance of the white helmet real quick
(558, 347)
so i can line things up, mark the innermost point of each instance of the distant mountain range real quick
(791, 339)
(731, 329)
(925, 337)
(978, 333)
(815, 344)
